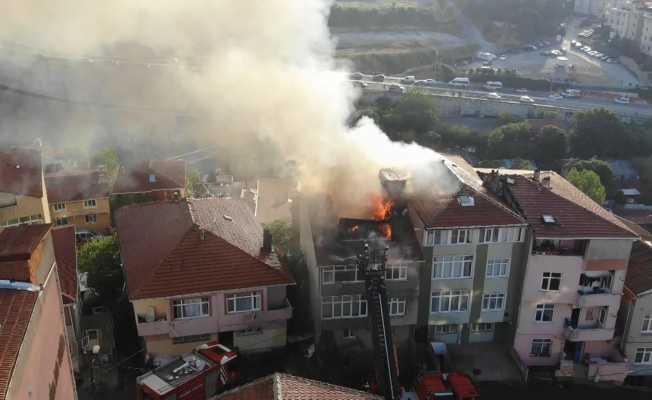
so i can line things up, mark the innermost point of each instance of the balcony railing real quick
(158, 326)
(254, 317)
(547, 247)
(587, 334)
(596, 299)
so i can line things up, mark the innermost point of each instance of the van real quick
(84, 235)
(407, 79)
(572, 93)
(459, 82)
(492, 85)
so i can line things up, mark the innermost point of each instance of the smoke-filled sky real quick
(267, 70)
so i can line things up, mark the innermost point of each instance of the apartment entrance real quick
(573, 350)
(226, 339)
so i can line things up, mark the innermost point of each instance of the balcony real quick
(596, 299)
(157, 326)
(255, 317)
(575, 248)
(587, 334)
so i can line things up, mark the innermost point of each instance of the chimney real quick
(267, 240)
(536, 175)
(546, 182)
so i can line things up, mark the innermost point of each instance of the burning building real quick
(333, 231)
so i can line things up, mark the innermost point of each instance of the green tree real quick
(109, 158)
(417, 111)
(589, 183)
(101, 260)
(548, 115)
(489, 164)
(281, 231)
(600, 167)
(620, 198)
(520, 163)
(551, 144)
(505, 117)
(192, 177)
(596, 132)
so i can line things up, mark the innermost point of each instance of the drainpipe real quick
(626, 330)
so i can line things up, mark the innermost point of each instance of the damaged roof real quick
(147, 176)
(575, 214)
(67, 186)
(194, 245)
(21, 172)
(65, 253)
(639, 269)
(445, 210)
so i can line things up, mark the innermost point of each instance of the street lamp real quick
(435, 76)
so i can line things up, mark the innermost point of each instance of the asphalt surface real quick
(545, 391)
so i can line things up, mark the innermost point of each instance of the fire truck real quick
(427, 385)
(196, 375)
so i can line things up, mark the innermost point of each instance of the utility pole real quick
(435, 76)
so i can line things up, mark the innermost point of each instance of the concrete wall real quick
(268, 338)
(607, 254)
(569, 266)
(523, 345)
(43, 364)
(164, 345)
(640, 307)
(76, 214)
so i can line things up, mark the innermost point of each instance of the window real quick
(437, 237)
(343, 306)
(191, 338)
(602, 319)
(396, 273)
(91, 218)
(90, 204)
(448, 267)
(62, 221)
(647, 324)
(497, 267)
(397, 306)
(544, 312)
(449, 301)
(541, 348)
(489, 235)
(243, 302)
(551, 281)
(251, 330)
(482, 327)
(510, 234)
(29, 220)
(348, 333)
(643, 355)
(460, 236)
(92, 335)
(189, 308)
(493, 301)
(445, 329)
(59, 207)
(341, 274)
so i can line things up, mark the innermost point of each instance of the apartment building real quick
(474, 250)
(34, 358)
(201, 270)
(573, 282)
(154, 180)
(635, 315)
(79, 198)
(593, 8)
(331, 238)
(23, 199)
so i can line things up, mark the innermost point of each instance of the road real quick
(475, 91)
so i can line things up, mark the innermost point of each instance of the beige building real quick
(23, 199)
(79, 198)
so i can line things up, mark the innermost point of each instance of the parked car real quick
(493, 96)
(556, 96)
(486, 63)
(84, 235)
(612, 61)
(503, 57)
(586, 49)
(378, 78)
(530, 47)
(622, 100)
(545, 53)
(578, 45)
(546, 43)
(521, 90)
(604, 58)
(356, 76)
(526, 99)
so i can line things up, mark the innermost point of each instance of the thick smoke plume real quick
(257, 67)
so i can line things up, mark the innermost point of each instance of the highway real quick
(637, 110)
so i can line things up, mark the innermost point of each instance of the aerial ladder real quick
(372, 263)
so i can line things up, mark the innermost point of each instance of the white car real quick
(621, 100)
(556, 96)
(503, 57)
(525, 99)
(493, 96)
(612, 61)
(598, 55)
(521, 90)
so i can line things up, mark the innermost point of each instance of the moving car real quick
(420, 83)
(407, 79)
(572, 93)
(526, 99)
(493, 96)
(430, 82)
(622, 100)
(359, 84)
(486, 63)
(378, 78)
(556, 96)
(503, 57)
(545, 53)
(356, 76)
(521, 90)
(492, 85)
(396, 88)
(459, 82)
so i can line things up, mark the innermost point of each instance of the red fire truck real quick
(196, 375)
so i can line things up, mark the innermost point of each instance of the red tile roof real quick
(65, 253)
(163, 253)
(576, 214)
(21, 172)
(168, 175)
(639, 270)
(15, 312)
(18, 242)
(67, 186)
(288, 387)
(439, 210)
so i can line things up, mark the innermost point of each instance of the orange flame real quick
(385, 230)
(380, 209)
(354, 228)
